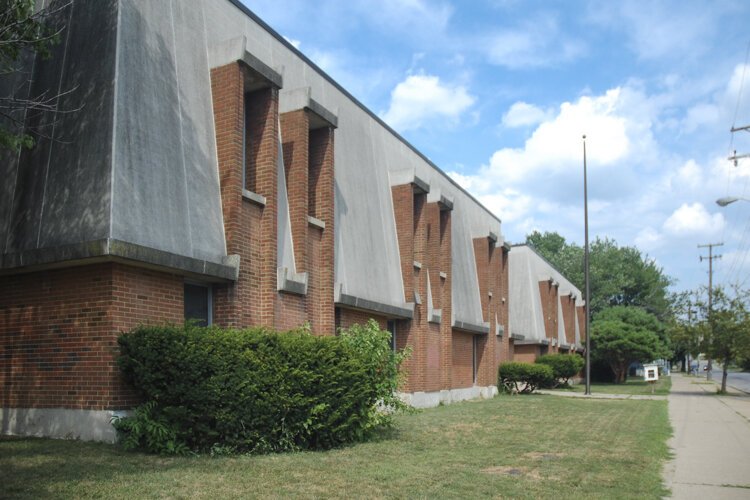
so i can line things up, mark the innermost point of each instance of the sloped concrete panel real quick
(467, 303)
(61, 186)
(166, 188)
(14, 84)
(526, 269)
(77, 202)
(198, 136)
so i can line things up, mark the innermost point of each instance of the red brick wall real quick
(569, 318)
(295, 134)
(250, 229)
(349, 317)
(424, 236)
(506, 350)
(462, 375)
(548, 293)
(59, 329)
(526, 353)
(491, 261)
(321, 241)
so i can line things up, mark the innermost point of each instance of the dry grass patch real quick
(514, 471)
(520, 447)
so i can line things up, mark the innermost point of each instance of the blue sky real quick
(499, 92)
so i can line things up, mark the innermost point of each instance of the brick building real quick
(214, 172)
(546, 310)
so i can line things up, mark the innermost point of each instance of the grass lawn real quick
(634, 385)
(512, 446)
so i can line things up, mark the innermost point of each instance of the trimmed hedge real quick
(564, 366)
(529, 376)
(224, 390)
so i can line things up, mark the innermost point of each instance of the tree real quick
(726, 328)
(25, 31)
(682, 328)
(621, 335)
(618, 275)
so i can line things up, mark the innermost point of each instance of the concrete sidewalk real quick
(711, 441)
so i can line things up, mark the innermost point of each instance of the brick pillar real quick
(250, 229)
(408, 332)
(483, 252)
(228, 103)
(548, 294)
(403, 206)
(446, 301)
(506, 354)
(263, 136)
(428, 253)
(295, 135)
(321, 206)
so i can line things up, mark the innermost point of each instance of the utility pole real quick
(735, 156)
(688, 368)
(586, 271)
(710, 260)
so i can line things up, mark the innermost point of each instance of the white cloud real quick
(536, 43)
(417, 17)
(661, 30)
(556, 144)
(522, 114)
(420, 98)
(648, 239)
(693, 219)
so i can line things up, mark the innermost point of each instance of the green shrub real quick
(253, 390)
(564, 366)
(373, 346)
(529, 376)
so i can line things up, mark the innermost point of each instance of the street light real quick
(723, 202)
(586, 270)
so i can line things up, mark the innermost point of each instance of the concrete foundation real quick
(86, 425)
(432, 399)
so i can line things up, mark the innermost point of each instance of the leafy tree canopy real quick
(621, 335)
(24, 29)
(725, 332)
(618, 275)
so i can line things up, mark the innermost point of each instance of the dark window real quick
(474, 358)
(391, 327)
(198, 304)
(246, 126)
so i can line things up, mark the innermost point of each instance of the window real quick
(246, 127)
(198, 304)
(391, 327)
(474, 358)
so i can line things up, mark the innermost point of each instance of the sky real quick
(498, 94)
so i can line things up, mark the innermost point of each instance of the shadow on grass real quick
(43, 468)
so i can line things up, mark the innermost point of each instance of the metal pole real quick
(710, 258)
(586, 268)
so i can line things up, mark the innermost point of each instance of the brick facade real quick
(251, 227)
(59, 329)
(444, 357)
(527, 353)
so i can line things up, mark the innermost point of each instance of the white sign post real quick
(651, 375)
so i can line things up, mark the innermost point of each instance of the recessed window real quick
(246, 144)
(474, 360)
(198, 304)
(391, 327)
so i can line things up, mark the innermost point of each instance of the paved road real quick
(738, 380)
(711, 441)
